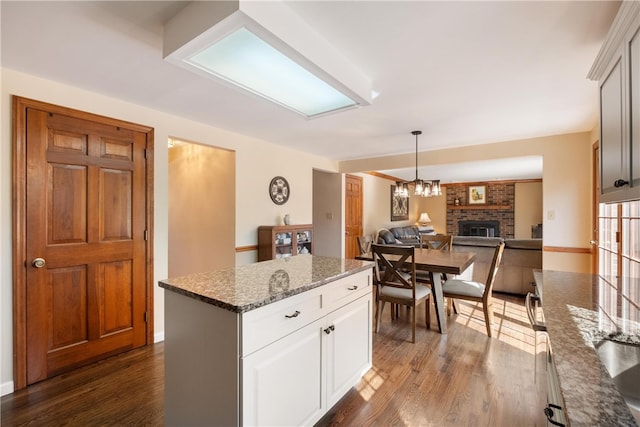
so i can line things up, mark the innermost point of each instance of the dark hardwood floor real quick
(462, 378)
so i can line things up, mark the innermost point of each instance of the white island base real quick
(285, 363)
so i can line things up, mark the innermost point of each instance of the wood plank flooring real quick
(462, 378)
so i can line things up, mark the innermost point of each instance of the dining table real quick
(434, 261)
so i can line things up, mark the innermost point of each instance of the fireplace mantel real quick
(483, 207)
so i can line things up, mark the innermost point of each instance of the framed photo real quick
(477, 194)
(399, 206)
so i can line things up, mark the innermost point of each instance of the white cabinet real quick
(617, 69)
(348, 349)
(555, 409)
(612, 130)
(296, 379)
(282, 384)
(286, 363)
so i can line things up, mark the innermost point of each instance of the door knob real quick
(38, 262)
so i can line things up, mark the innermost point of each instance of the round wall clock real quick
(279, 190)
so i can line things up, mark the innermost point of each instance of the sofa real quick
(519, 259)
(407, 235)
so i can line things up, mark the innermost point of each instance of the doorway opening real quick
(202, 214)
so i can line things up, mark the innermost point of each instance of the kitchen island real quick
(272, 343)
(583, 312)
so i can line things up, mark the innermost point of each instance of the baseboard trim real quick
(6, 388)
(566, 249)
(158, 337)
(247, 248)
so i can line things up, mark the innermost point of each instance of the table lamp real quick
(424, 218)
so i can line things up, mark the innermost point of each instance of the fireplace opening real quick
(479, 228)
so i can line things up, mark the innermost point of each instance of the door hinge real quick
(617, 237)
(146, 317)
(146, 234)
(146, 153)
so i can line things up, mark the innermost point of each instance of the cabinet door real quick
(348, 347)
(281, 383)
(304, 241)
(634, 87)
(612, 126)
(284, 244)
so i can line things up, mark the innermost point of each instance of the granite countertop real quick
(579, 311)
(248, 287)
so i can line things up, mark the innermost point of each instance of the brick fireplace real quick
(479, 228)
(499, 208)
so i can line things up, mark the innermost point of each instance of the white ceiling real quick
(464, 73)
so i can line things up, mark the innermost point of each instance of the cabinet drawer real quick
(267, 324)
(345, 290)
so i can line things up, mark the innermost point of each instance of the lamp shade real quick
(424, 218)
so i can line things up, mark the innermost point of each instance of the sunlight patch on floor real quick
(508, 321)
(370, 383)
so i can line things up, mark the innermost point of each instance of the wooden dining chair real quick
(441, 242)
(438, 242)
(364, 244)
(395, 271)
(476, 291)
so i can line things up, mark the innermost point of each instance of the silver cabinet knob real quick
(38, 262)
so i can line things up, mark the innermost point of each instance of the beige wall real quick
(377, 205)
(257, 161)
(436, 207)
(566, 187)
(202, 207)
(327, 213)
(528, 208)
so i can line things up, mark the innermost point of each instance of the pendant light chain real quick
(422, 188)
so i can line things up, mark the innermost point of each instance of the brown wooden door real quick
(86, 219)
(353, 214)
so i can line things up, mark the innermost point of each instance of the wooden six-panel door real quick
(353, 214)
(85, 244)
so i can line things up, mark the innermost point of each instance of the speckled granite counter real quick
(580, 309)
(247, 287)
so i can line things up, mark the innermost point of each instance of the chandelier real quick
(423, 188)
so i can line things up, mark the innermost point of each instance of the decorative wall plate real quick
(279, 190)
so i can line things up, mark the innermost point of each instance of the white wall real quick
(253, 173)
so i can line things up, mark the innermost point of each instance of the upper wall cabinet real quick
(617, 69)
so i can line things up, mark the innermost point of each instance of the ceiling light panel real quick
(244, 59)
